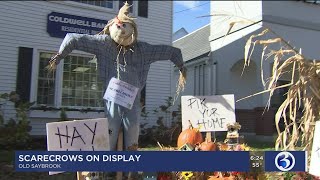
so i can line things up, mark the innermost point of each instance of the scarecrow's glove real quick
(55, 59)
(183, 70)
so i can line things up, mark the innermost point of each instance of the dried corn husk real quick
(303, 93)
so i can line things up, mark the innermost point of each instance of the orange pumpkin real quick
(208, 145)
(191, 136)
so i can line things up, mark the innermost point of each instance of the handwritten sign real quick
(315, 153)
(211, 113)
(81, 135)
(121, 93)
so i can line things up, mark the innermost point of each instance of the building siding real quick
(23, 23)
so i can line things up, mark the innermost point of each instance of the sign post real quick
(209, 113)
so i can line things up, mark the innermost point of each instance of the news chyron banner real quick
(154, 161)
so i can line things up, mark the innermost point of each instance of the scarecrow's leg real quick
(113, 113)
(120, 148)
(131, 130)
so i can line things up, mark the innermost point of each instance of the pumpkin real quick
(163, 176)
(191, 136)
(208, 145)
(223, 147)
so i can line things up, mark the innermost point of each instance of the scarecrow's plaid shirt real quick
(106, 50)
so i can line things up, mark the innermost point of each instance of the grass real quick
(261, 146)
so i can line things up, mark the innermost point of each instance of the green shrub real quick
(15, 133)
(160, 132)
(63, 115)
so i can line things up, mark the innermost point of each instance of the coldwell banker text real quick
(59, 24)
(76, 21)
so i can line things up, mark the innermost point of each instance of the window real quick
(143, 8)
(110, 4)
(46, 82)
(79, 84)
(102, 3)
(199, 80)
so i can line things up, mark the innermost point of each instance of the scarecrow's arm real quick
(83, 42)
(164, 52)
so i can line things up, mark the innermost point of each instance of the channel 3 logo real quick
(284, 161)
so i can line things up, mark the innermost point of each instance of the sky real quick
(186, 14)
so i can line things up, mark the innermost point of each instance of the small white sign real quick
(121, 93)
(210, 113)
(315, 153)
(80, 135)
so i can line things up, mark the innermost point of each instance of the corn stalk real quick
(303, 93)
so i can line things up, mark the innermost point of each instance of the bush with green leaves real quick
(63, 115)
(15, 133)
(162, 133)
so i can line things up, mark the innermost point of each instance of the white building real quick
(32, 31)
(195, 49)
(179, 34)
(296, 21)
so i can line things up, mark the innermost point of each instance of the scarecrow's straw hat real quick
(123, 16)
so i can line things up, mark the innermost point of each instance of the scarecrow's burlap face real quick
(122, 29)
(122, 33)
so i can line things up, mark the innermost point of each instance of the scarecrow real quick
(232, 138)
(119, 54)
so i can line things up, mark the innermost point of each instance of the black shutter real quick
(24, 73)
(143, 8)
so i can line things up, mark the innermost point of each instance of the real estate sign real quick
(210, 113)
(59, 24)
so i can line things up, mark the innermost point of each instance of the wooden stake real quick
(82, 174)
(79, 176)
(120, 148)
(208, 137)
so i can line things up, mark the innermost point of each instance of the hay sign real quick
(315, 153)
(211, 113)
(81, 135)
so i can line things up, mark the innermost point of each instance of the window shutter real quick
(143, 8)
(24, 73)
